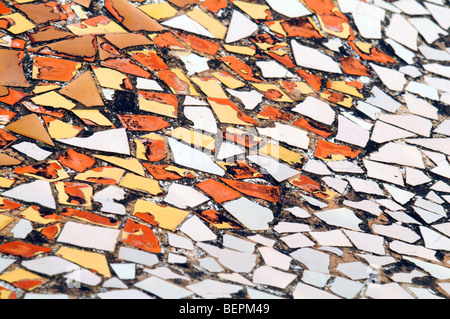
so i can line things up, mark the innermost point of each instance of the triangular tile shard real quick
(31, 126)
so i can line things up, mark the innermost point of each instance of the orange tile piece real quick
(49, 170)
(241, 170)
(214, 5)
(6, 139)
(47, 110)
(91, 217)
(239, 114)
(375, 54)
(140, 236)
(155, 150)
(75, 194)
(314, 80)
(266, 192)
(4, 9)
(167, 40)
(217, 219)
(274, 114)
(52, 69)
(94, 175)
(197, 43)
(22, 249)
(11, 96)
(7, 205)
(325, 150)
(82, 47)
(11, 68)
(77, 161)
(175, 83)
(311, 186)
(247, 140)
(150, 60)
(282, 58)
(353, 66)
(160, 172)
(161, 98)
(131, 17)
(182, 3)
(313, 127)
(52, 231)
(148, 123)
(218, 191)
(48, 34)
(7, 294)
(241, 68)
(84, 90)
(41, 13)
(299, 27)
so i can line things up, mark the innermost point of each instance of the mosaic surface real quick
(242, 149)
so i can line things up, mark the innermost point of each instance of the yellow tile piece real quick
(84, 28)
(364, 47)
(132, 164)
(159, 11)
(6, 182)
(240, 49)
(59, 129)
(276, 27)
(110, 78)
(237, 131)
(5, 221)
(63, 197)
(208, 22)
(344, 33)
(52, 164)
(180, 171)
(300, 87)
(53, 99)
(94, 116)
(194, 138)
(347, 101)
(19, 24)
(210, 86)
(228, 80)
(32, 214)
(45, 87)
(343, 87)
(226, 114)
(140, 183)
(267, 87)
(79, 11)
(86, 259)
(157, 107)
(110, 173)
(166, 217)
(183, 79)
(20, 275)
(256, 11)
(279, 152)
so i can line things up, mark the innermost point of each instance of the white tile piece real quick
(197, 230)
(437, 271)
(114, 283)
(297, 241)
(364, 186)
(341, 217)
(402, 31)
(429, 30)
(331, 238)
(262, 240)
(109, 198)
(31, 296)
(269, 276)
(130, 294)
(178, 241)
(383, 132)
(434, 240)
(368, 109)
(443, 128)
(312, 259)
(412, 250)
(89, 236)
(210, 264)
(439, 13)
(162, 288)
(387, 291)
(185, 23)
(287, 134)
(352, 133)
(183, 196)
(387, 6)
(382, 100)
(147, 84)
(314, 278)
(260, 295)
(32, 150)
(114, 141)
(138, 256)
(240, 27)
(165, 272)
(368, 27)
(384, 172)
(274, 258)
(237, 243)
(421, 107)
(346, 288)
(316, 167)
(125, 271)
(410, 70)
(410, 122)
(50, 265)
(434, 54)
(250, 99)
(82, 276)
(411, 7)
(394, 80)
(202, 117)
(311, 58)
(190, 157)
(212, 289)
(316, 109)
(422, 293)
(289, 8)
(22, 229)
(38, 191)
(365, 205)
(5, 263)
(415, 177)
(397, 153)
(443, 228)
(407, 277)
(400, 195)
(273, 69)
(298, 212)
(376, 262)
(237, 261)
(194, 63)
(250, 214)
(397, 232)
(337, 184)
(366, 242)
(303, 291)
(279, 171)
